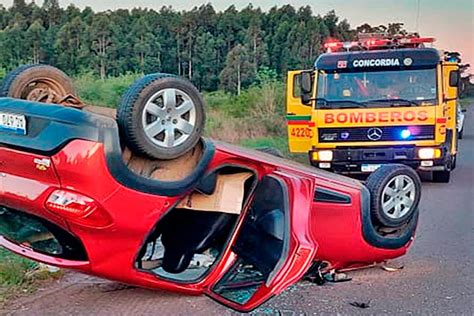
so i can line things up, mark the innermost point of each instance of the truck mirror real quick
(454, 78)
(306, 87)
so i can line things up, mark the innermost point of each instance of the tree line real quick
(227, 49)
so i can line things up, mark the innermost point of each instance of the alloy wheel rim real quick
(169, 118)
(398, 196)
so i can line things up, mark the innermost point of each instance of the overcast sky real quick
(450, 21)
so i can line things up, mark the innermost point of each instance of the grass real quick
(280, 143)
(13, 268)
(20, 275)
(103, 92)
(14, 272)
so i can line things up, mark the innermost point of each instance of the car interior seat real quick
(187, 232)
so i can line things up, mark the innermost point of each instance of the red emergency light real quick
(333, 45)
(378, 41)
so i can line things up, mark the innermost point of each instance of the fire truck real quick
(378, 100)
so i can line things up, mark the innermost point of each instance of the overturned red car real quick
(142, 200)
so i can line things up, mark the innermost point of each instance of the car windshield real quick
(376, 89)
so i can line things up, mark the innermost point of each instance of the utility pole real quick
(417, 20)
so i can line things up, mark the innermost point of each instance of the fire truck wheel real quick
(395, 194)
(161, 116)
(271, 151)
(454, 161)
(442, 176)
(40, 83)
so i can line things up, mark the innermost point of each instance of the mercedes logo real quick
(374, 133)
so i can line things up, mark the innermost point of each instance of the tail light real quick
(78, 208)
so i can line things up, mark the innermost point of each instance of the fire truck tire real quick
(454, 162)
(395, 191)
(40, 83)
(271, 151)
(442, 176)
(161, 116)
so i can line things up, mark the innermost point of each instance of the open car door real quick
(298, 116)
(450, 95)
(273, 249)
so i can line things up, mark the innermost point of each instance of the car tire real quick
(271, 151)
(442, 176)
(461, 133)
(161, 116)
(40, 83)
(395, 194)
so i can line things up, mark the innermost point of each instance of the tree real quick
(35, 38)
(53, 12)
(71, 45)
(205, 74)
(396, 28)
(281, 48)
(200, 44)
(19, 7)
(14, 47)
(146, 49)
(255, 40)
(238, 71)
(102, 41)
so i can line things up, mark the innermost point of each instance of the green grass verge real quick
(106, 93)
(280, 143)
(14, 271)
(19, 275)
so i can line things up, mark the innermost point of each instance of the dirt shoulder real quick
(78, 294)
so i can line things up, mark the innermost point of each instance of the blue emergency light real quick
(405, 134)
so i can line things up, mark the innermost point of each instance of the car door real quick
(300, 126)
(273, 249)
(450, 93)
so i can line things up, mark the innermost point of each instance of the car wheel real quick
(40, 83)
(442, 176)
(461, 133)
(271, 151)
(161, 116)
(395, 194)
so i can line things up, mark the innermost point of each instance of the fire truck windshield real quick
(376, 89)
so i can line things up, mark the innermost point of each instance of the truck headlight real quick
(429, 153)
(325, 155)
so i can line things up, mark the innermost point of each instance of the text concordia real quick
(383, 62)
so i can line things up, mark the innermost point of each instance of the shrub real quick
(93, 90)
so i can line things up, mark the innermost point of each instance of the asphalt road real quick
(437, 279)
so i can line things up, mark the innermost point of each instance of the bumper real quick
(47, 259)
(352, 160)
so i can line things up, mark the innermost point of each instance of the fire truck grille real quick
(376, 134)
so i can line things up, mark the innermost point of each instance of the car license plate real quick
(369, 167)
(13, 123)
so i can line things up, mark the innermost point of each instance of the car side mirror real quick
(454, 78)
(464, 110)
(306, 87)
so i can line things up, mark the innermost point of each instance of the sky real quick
(451, 22)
